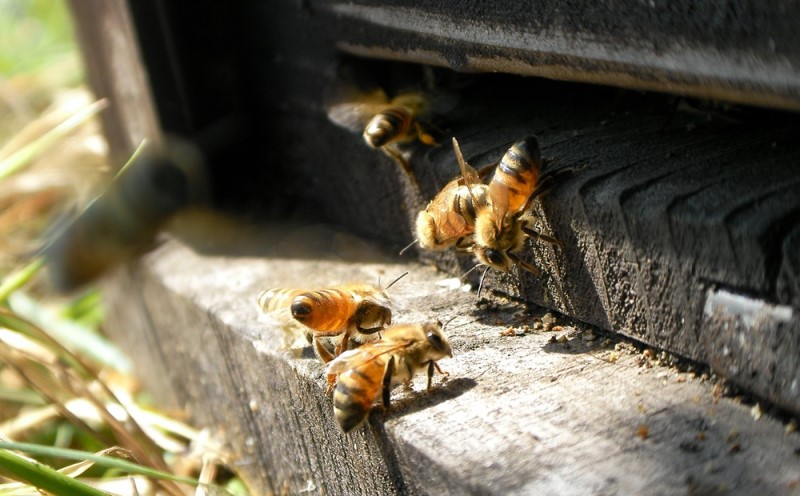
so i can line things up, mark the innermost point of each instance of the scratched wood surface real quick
(524, 410)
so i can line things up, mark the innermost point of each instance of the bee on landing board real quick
(354, 311)
(503, 222)
(449, 219)
(386, 123)
(373, 369)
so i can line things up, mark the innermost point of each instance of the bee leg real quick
(326, 357)
(395, 154)
(525, 265)
(424, 137)
(544, 237)
(431, 367)
(387, 384)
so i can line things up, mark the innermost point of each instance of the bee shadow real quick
(420, 400)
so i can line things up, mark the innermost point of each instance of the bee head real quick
(371, 317)
(437, 340)
(496, 259)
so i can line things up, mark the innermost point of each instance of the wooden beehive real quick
(680, 231)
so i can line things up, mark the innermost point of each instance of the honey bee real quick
(153, 189)
(449, 219)
(386, 123)
(375, 368)
(354, 311)
(503, 222)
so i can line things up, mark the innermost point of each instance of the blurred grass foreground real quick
(72, 419)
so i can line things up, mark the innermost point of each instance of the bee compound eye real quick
(300, 309)
(436, 340)
(494, 257)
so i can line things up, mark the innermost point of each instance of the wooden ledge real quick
(524, 411)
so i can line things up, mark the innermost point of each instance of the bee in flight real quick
(503, 222)
(375, 368)
(388, 124)
(449, 219)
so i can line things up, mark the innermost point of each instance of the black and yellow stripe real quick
(356, 391)
(390, 125)
(519, 171)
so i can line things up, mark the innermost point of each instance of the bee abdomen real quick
(355, 392)
(323, 310)
(519, 170)
(389, 125)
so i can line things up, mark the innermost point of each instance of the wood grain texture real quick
(738, 51)
(518, 414)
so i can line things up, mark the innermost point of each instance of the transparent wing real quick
(498, 200)
(294, 335)
(352, 109)
(468, 175)
(361, 355)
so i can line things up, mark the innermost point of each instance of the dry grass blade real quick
(70, 370)
(22, 157)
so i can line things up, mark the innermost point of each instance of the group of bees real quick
(349, 325)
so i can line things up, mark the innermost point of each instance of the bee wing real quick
(351, 108)
(498, 199)
(354, 116)
(361, 355)
(468, 175)
(293, 333)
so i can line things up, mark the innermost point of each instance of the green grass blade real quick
(72, 335)
(43, 477)
(103, 461)
(26, 154)
(17, 279)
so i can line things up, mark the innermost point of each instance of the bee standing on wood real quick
(354, 311)
(375, 368)
(504, 222)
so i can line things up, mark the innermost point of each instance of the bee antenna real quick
(454, 317)
(465, 274)
(408, 246)
(392, 283)
(483, 277)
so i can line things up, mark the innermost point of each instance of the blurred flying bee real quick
(352, 311)
(449, 219)
(123, 222)
(503, 222)
(375, 368)
(388, 124)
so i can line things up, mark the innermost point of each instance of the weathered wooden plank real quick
(738, 51)
(518, 414)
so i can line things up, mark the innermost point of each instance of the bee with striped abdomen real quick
(386, 123)
(354, 311)
(449, 219)
(504, 222)
(375, 368)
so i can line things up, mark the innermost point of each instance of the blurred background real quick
(67, 394)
